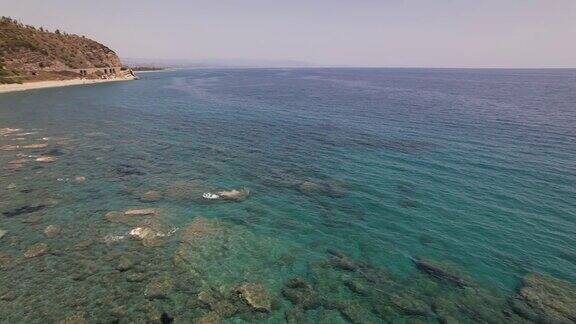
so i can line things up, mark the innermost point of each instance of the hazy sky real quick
(431, 33)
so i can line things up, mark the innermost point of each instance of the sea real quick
(341, 195)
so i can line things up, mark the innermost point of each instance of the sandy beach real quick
(56, 83)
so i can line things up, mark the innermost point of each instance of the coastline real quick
(5, 88)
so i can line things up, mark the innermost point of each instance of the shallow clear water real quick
(474, 168)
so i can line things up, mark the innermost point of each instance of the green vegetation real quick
(29, 49)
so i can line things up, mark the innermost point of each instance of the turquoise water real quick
(473, 168)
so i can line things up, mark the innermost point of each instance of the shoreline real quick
(6, 88)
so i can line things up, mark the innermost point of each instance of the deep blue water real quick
(474, 168)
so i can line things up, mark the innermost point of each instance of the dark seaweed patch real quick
(54, 152)
(166, 319)
(124, 170)
(24, 210)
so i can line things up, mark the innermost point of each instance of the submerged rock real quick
(333, 189)
(357, 286)
(52, 230)
(140, 212)
(256, 296)
(136, 276)
(301, 294)
(5, 262)
(410, 305)
(211, 318)
(151, 196)
(8, 296)
(219, 303)
(200, 228)
(187, 190)
(78, 318)
(356, 312)
(116, 217)
(124, 264)
(19, 161)
(295, 315)
(443, 272)
(2, 233)
(545, 299)
(159, 288)
(36, 250)
(13, 167)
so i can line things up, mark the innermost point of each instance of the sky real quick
(384, 33)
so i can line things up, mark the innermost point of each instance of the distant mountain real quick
(29, 53)
(214, 63)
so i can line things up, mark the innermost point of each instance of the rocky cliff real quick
(28, 53)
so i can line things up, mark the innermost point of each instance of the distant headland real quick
(32, 57)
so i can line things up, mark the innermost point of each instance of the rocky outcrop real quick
(26, 48)
(36, 250)
(28, 53)
(442, 271)
(545, 299)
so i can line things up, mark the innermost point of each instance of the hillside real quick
(28, 53)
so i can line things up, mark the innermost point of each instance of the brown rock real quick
(211, 318)
(8, 296)
(151, 196)
(136, 277)
(8, 147)
(52, 231)
(5, 261)
(159, 288)
(124, 264)
(115, 217)
(200, 228)
(36, 250)
(84, 244)
(256, 296)
(35, 146)
(13, 167)
(443, 271)
(78, 318)
(19, 161)
(546, 299)
(140, 212)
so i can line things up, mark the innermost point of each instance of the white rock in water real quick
(45, 159)
(140, 212)
(79, 179)
(6, 131)
(142, 233)
(2, 233)
(9, 147)
(35, 146)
